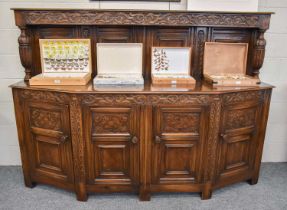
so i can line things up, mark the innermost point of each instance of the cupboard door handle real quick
(157, 139)
(224, 136)
(64, 138)
(135, 140)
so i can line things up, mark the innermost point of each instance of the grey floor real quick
(270, 193)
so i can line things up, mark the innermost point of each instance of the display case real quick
(225, 64)
(119, 63)
(171, 65)
(64, 62)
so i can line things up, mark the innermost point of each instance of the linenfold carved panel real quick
(181, 122)
(97, 17)
(46, 119)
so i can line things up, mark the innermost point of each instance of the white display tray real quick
(119, 63)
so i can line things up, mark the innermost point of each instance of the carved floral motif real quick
(240, 118)
(110, 123)
(97, 17)
(46, 119)
(181, 122)
(212, 141)
(45, 96)
(77, 142)
(144, 99)
(243, 96)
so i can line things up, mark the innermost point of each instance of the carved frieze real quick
(129, 99)
(243, 96)
(104, 17)
(181, 122)
(46, 119)
(45, 96)
(110, 123)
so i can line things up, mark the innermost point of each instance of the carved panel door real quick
(238, 139)
(49, 142)
(178, 143)
(112, 139)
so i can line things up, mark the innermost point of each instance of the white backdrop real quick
(274, 69)
(223, 5)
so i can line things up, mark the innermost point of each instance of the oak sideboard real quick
(149, 139)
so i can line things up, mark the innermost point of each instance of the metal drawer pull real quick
(135, 140)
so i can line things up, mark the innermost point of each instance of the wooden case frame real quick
(219, 68)
(41, 79)
(173, 80)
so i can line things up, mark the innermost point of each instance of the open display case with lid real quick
(64, 62)
(225, 64)
(171, 65)
(119, 63)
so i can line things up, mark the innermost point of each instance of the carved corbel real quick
(25, 51)
(259, 52)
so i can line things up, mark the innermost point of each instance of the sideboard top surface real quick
(200, 88)
(140, 10)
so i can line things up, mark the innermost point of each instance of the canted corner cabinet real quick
(176, 139)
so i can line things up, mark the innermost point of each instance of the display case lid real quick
(65, 56)
(119, 58)
(225, 58)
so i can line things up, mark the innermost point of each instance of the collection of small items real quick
(68, 62)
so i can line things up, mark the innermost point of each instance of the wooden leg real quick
(29, 183)
(81, 192)
(253, 180)
(144, 195)
(206, 192)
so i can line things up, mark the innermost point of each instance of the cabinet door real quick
(49, 142)
(238, 139)
(112, 137)
(178, 143)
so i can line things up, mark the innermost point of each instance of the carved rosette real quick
(131, 99)
(214, 124)
(259, 52)
(25, 51)
(102, 17)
